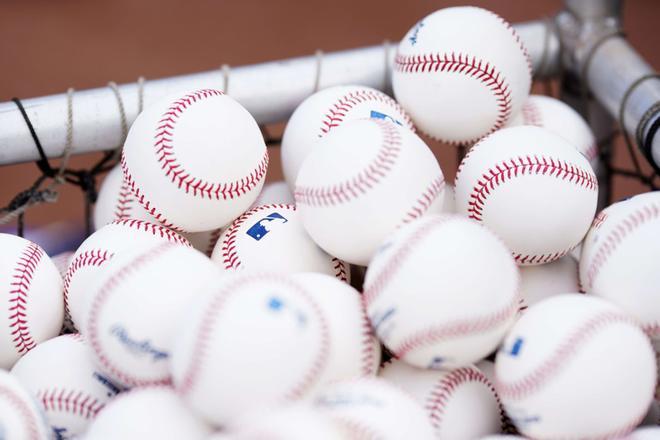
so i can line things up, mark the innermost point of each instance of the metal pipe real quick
(270, 91)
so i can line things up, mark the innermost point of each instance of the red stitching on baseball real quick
(469, 66)
(92, 257)
(31, 422)
(520, 166)
(535, 380)
(368, 354)
(338, 110)
(154, 229)
(424, 202)
(142, 200)
(165, 151)
(456, 329)
(521, 45)
(107, 289)
(230, 257)
(443, 390)
(24, 271)
(341, 272)
(540, 258)
(69, 401)
(374, 288)
(365, 180)
(592, 152)
(357, 429)
(124, 202)
(210, 318)
(531, 114)
(213, 240)
(616, 236)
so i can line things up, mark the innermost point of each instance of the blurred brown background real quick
(47, 46)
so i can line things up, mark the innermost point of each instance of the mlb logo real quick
(260, 229)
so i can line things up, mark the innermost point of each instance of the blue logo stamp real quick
(140, 348)
(517, 346)
(436, 363)
(259, 229)
(112, 389)
(378, 115)
(277, 305)
(413, 36)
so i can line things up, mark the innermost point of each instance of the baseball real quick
(290, 422)
(545, 280)
(60, 374)
(149, 412)
(354, 349)
(323, 112)
(90, 259)
(530, 187)
(272, 238)
(575, 355)
(62, 261)
(245, 323)
(456, 325)
(371, 408)
(620, 257)
(461, 73)
(175, 160)
(117, 202)
(20, 415)
(31, 291)
(559, 118)
(131, 312)
(449, 202)
(461, 403)
(349, 207)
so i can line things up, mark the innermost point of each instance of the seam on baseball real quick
(340, 269)
(361, 183)
(213, 240)
(124, 201)
(19, 294)
(337, 112)
(230, 256)
(616, 236)
(92, 257)
(536, 379)
(368, 350)
(106, 291)
(519, 42)
(209, 320)
(424, 202)
(73, 402)
(531, 114)
(444, 389)
(18, 403)
(154, 229)
(471, 67)
(166, 155)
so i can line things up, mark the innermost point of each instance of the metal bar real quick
(270, 91)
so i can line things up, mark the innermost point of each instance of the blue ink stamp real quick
(413, 37)
(259, 229)
(436, 363)
(275, 303)
(517, 346)
(140, 348)
(111, 388)
(378, 115)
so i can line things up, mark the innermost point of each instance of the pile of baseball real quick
(362, 298)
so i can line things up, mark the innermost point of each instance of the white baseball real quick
(461, 403)
(272, 238)
(329, 108)
(457, 324)
(545, 280)
(354, 349)
(532, 188)
(371, 408)
(62, 261)
(244, 324)
(117, 202)
(575, 366)
(449, 200)
(559, 118)
(149, 412)
(91, 258)
(62, 376)
(20, 415)
(275, 193)
(461, 73)
(175, 160)
(620, 257)
(350, 206)
(647, 433)
(31, 290)
(290, 422)
(133, 310)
